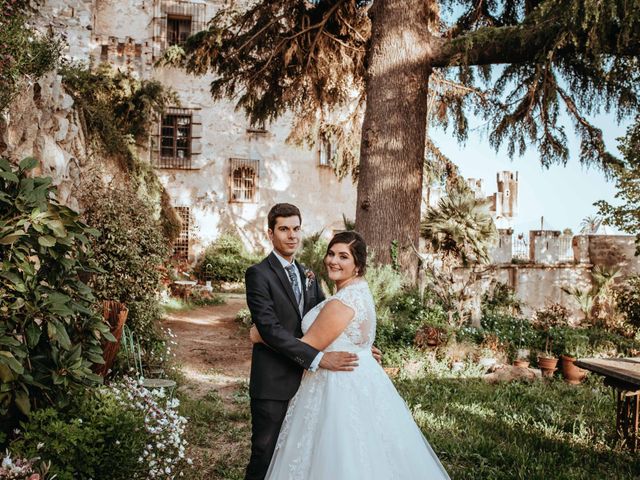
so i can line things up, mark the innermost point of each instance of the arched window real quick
(243, 180)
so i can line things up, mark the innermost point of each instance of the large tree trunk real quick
(394, 128)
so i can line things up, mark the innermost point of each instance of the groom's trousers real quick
(266, 419)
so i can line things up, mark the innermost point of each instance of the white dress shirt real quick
(285, 263)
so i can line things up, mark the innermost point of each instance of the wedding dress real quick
(351, 425)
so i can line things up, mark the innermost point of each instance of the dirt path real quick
(214, 355)
(212, 351)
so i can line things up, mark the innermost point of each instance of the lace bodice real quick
(361, 331)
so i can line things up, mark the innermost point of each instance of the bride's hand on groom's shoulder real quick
(339, 361)
(377, 354)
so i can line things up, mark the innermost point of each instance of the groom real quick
(279, 294)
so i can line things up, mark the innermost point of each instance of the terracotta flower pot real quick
(547, 366)
(520, 362)
(572, 374)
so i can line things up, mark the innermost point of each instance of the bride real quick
(349, 425)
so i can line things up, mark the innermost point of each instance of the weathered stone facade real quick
(229, 174)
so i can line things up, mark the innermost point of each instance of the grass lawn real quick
(543, 430)
(219, 436)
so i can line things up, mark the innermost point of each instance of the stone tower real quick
(506, 198)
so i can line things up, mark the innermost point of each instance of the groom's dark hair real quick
(357, 246)
(282, 210)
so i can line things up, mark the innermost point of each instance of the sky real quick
(562, 195)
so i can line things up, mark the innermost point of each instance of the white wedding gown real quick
(351, 425)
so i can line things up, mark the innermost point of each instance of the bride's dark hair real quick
(357, 246)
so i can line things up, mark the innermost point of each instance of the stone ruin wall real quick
(538, 280)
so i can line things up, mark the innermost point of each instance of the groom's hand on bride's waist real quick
(377, 354)
(339, 361)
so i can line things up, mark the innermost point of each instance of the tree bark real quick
(394, 129)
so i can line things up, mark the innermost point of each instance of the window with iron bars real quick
(325, 152)
(174, 21)
(176, 142)
(243, 180)
(178, 29)
(181, 244)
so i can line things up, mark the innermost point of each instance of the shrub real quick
(385, 284)
(131, 251)
(50, 334)
(404, 317)
(500, 298)
(314, 248)
(628, 300)
(226, 260)
(120, 432)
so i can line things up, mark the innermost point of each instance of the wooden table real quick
(623, 375)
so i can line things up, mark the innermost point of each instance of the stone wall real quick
(539, 285)
(43, 123)
(614, 251)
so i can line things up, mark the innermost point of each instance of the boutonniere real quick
(311, 277)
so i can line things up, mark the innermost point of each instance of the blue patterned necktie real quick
(294, 281)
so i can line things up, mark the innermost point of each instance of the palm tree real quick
(460, 226)
(590, 224)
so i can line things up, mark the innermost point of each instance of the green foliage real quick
(547, 320)
(308, 57)
(385, 284)
(312, 253)
(131, 251)
(50, 334)
(119, 432)
(512, 333)
(303, 58)
(25, 54)
(226, 260)
(501, 299)
(401, 316)
(118, 112)
(460, 226)
(97, 438)
(626, 215)
(628, 300)
(575, 343)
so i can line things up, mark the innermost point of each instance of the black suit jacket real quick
(276, 369)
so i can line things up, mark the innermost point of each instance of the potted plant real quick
(547, 320)
(576, 344)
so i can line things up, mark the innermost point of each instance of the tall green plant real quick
(50, 334)
(131, 251)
